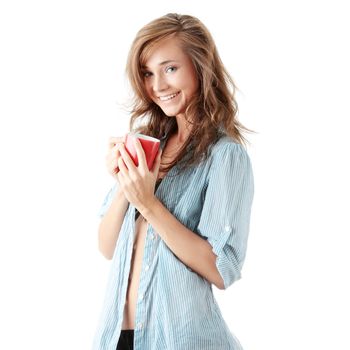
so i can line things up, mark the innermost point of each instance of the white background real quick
(62, 87)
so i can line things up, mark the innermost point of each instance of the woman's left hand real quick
(138, 182)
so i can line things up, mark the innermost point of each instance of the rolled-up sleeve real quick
(225, 216)
(107, 200)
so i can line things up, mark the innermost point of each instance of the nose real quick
(159, 84)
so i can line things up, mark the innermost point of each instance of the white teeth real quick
(165, 98)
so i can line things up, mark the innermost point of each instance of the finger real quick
(112, 141)
(112, 157)
(114, 164)
(114, 152)
(116, 139)
(127, 159)
(120, 178)
(118, 146)
(122, 166)
(115, 147)
(140, 153)
(111, 163)
(115, 171)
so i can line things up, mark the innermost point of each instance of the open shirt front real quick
(178, 310)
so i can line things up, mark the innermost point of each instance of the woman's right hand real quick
(113, 155)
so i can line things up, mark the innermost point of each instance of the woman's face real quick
(170, 78)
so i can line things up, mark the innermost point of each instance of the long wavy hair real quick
(212, 111)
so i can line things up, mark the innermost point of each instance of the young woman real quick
(175, 230)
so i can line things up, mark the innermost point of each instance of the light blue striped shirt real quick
(176, 308)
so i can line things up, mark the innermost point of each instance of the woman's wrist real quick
(120, 196)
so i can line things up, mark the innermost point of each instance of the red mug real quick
(149, 144)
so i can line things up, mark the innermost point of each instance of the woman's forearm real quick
(111, 224)
(193, 250)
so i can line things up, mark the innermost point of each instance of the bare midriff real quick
(134, 276)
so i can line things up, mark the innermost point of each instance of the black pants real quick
(126, 340)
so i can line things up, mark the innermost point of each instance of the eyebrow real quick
(161, 63)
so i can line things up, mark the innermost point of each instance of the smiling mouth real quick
(168, 97)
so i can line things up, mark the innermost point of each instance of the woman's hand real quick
(138, 182)
(113, 154)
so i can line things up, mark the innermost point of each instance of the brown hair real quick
(212, 112)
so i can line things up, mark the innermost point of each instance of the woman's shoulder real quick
(229, 157)
(227, 145)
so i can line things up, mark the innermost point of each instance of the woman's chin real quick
(169, 112)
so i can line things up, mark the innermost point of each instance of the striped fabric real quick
(176, 308)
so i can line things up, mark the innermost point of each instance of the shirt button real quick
(227, 228)
(141, 297)
(140, 325)
(146, 267)
(151, 236)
